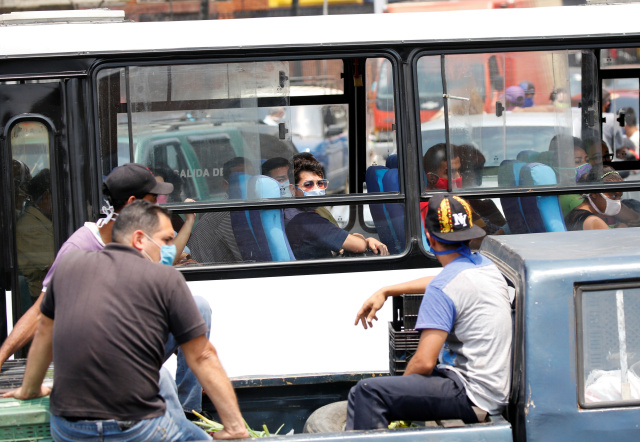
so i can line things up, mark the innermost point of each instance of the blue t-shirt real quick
(469, 300)
(310, 235)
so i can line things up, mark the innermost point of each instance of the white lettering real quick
(206, 172)
(182, 174)
(459, 219)
(216, 172)
(198, 173)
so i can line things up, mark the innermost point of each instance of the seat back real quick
(389, 217)
(543, 213)
(509, 176)
(272, 220)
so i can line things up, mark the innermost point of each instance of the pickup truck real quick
(576, 351)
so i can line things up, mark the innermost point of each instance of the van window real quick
(609, 346)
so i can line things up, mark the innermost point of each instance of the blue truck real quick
(575, 359)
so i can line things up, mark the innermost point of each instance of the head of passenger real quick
(309, 177)
(167, 175)
(514, 97)
(146, 227)
(435, 168)
(471, 165)
(280, 170)
(630, 121)
(39, 191)
(234, 165)
(529, 92)
(598, 153)
(606, 203)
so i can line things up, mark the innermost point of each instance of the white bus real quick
(82, 95)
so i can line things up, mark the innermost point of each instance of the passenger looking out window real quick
(310, 235)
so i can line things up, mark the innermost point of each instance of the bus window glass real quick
(33, 206)
(610, 345)
(506, 109)
(380, 111)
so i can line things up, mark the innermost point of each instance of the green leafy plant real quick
(211, 426)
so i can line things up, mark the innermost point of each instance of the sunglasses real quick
(308, 185)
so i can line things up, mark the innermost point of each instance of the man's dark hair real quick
(39, 184)
(170, 176)
(275, 163)
(306, 162)
(630, 118)
(231, 164)
(139, 215)
(435, 156)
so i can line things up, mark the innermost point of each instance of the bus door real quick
(32, 122)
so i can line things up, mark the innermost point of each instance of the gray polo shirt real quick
(113, 311)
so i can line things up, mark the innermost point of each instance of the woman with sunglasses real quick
(312, 236)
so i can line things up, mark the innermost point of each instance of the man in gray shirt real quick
(105, 319)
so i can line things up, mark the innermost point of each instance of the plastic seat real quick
(259, 234)
(530, 214)
(389, 217)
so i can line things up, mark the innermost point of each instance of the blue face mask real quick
(312, 192)
(167, 253)
(582, 170)
(462, 249)
(528, 102)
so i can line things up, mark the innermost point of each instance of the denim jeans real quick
(172, 425)
(189, 389)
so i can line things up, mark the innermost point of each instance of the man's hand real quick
(21, 393)
(377, 247)
(224, 434)
(367, 312)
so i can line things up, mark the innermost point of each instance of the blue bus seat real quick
(272, 220)
(388, 218)
(247, 227)
(392, 161)
(543, 213)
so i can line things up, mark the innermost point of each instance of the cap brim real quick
(162, 188)
(474, 232)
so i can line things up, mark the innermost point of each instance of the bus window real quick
(380, 111)
(34, 207)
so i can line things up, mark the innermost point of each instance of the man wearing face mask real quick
(125, 184)
(113, 387)
(279, 169)
(310, 235)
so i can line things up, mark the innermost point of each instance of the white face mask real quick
(612, 208)
(285, 191)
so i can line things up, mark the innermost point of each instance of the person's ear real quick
(130, 200)
(432, 179)
(137, 240)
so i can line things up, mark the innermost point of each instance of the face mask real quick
(463, 249)
(313, 192)
(443, 183)
(582, 170)
(161, 199)
(107, 209)
(611, 209)
(285, 191)
(167, 253)
(528, 102)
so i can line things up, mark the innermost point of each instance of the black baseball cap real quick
(449, 218)
(134, 179)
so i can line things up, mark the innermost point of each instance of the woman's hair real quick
(607, 174)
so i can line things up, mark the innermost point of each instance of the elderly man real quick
(105, 319)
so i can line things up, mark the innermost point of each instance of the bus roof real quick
(81, 39)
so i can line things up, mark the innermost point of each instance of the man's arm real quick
(183, 235)
(23, 331)
(367, 312)
(203, 360)
(426, 356)
(40, 357)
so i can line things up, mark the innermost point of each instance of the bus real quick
(99, 93)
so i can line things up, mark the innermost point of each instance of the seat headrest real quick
(238, 182)
(392, 161)
(261, 186)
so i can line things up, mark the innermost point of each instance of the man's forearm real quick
(23, 332)
(203, 361)
(39, 359)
